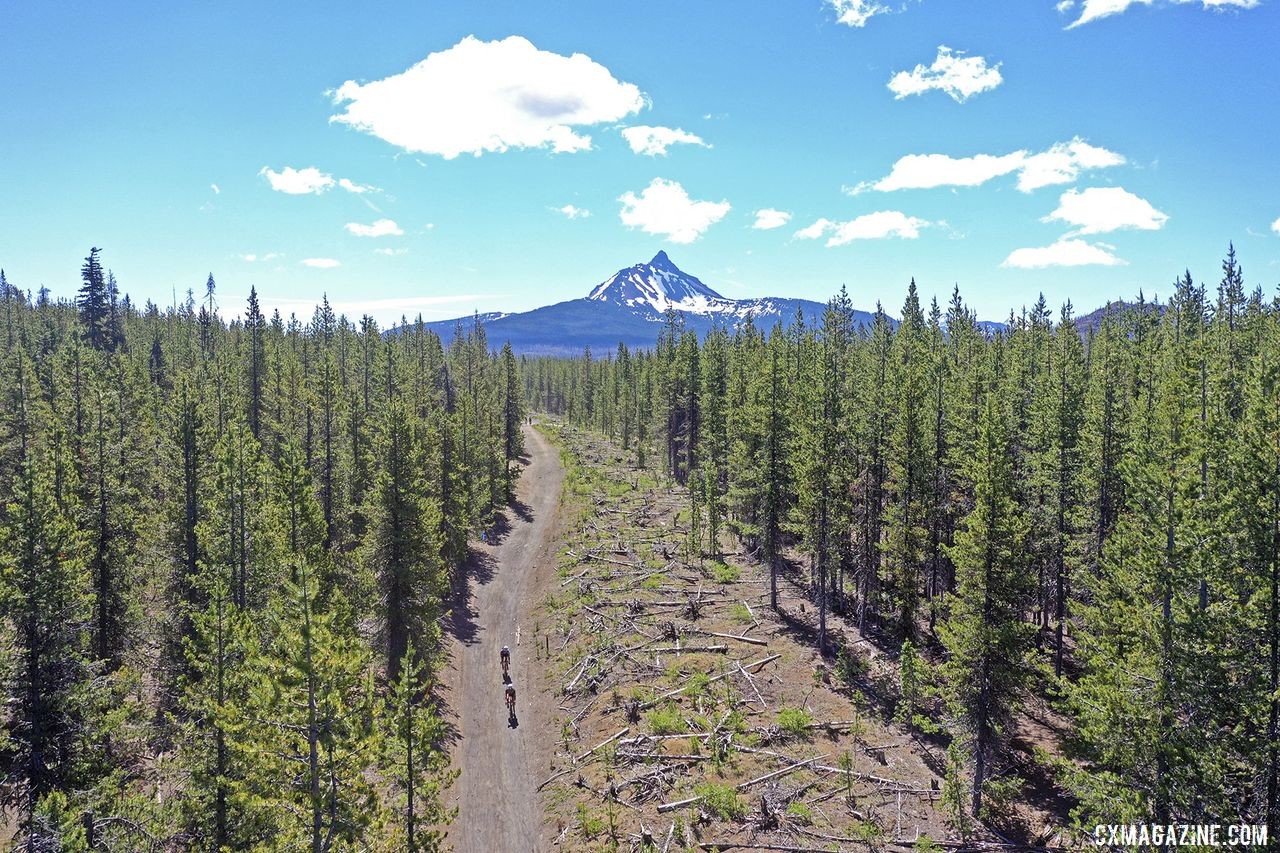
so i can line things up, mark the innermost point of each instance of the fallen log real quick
(784, 771)
(652, 702)
(740, 638)
(605, 742)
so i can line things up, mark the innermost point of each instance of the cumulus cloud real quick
(1067, 252)
(297, 181)
(359, 189)
(573, 212)
(871, 226)
(380, 228)
(1275, 226)
(1063, 163)
(768, 218)
(308, 181)
(1093, 10)
(1098, 210)
(391, 252)
(480, 96)
(216, 190)
(664, 208)
(816, 230)
(958, 75)
(321, 263)
(269, 256)
(653, 141)
(1060, 164)
(856, 13)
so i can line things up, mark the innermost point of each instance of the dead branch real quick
(670, 693)
(605, 742)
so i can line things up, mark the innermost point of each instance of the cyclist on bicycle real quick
(510, 692)
(506, 658)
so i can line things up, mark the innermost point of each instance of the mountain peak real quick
(658, 285)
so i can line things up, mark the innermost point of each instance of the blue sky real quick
(1127, 138)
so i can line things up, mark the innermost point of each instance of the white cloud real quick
(1275, 226)
(1098, 210)
(215, 189)
(297, 181)
(665, 208)
(1060, 164)
(269, 256)
(1093, 10)
(871, 226)
(1064, 6)
(1064, 253)
(573, 212)
(390, 252)
(1063, 163)
(482, 96)
(958, 75)
(856, 13)
(926, 171)
(321, 263)
(768, 218)
(653, 141)
(816, 230)
(380, 228)
(359, 189)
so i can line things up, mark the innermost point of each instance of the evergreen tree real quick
(987, 643)
(94, 302)
(413, 761)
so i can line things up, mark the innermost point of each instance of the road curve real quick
(499, 810)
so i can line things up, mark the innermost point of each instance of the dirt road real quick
(499, 810)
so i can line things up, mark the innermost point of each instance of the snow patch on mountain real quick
(659, 286)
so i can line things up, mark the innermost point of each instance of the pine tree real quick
(314, 707)
(94, 302)
(512, 418)
(47, 612)
(413, 761)
(986, 641)
(220, 808)
(908, 484)
(403, 548)
(255, 363)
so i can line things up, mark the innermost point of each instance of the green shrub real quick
(850, 667)
(725, 573)
(590, 824)
(800, 813)
(665, 720)
(795, 721)
(721, 800)
(697, 685)
(740, 613)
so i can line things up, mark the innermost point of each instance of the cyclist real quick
(506, 659)
(510, 692)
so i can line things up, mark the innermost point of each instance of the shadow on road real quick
(460, 622)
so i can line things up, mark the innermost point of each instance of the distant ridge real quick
(630, 307)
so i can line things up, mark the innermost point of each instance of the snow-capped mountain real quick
(660, 285)
(630, 307)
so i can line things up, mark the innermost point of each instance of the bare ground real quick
(498, 758)
(625, 631)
